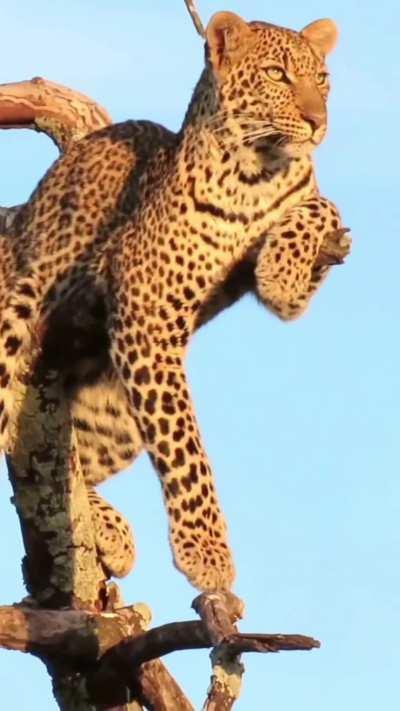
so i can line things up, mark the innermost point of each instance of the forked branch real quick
(124, 656)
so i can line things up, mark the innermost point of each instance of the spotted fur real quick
(131, 236)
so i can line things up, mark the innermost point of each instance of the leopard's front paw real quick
(204, 559)
(334, 249)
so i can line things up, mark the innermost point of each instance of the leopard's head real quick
(271, 84)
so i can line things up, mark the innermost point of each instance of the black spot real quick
(161, 465)
(150, 404)
(164, 425)
(188, 293)
(23, 311)
(4, 381)
(126, 373)
(204, 490)
(178, 435)
(142, 375)
(163, 448)
(174, 487)
(26, 290)
(179, 458)
(193, 474)
(193, 505)
(167, 403)
(191, 446)
(187, 484)
(151, 434)
(137, 398)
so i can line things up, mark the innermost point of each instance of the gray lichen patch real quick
(51, 499)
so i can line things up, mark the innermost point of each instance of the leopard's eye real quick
(276, 74)
(321, 78)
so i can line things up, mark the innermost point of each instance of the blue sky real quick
(301, 420)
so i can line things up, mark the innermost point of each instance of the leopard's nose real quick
(316, 119)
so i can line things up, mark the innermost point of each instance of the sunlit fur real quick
(129, 239)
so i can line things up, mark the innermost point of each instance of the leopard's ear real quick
(323, 34)
(228, 39)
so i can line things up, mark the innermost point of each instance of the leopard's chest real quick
(198, 226)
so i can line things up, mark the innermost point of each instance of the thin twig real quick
(195, 17)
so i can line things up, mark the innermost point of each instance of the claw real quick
(335, 248)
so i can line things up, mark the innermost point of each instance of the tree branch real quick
(121, 656)
(190, 4)
(41, 105)
(121, 641)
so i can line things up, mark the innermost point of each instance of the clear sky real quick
(301, 420)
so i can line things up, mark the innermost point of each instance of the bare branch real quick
(157, 689)
(190, 4)
(121, 641)
(42, 105)
(226, 680)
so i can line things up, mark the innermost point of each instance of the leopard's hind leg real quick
(113, 535)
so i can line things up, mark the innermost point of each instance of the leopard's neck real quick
(204, 206)
(235, 192)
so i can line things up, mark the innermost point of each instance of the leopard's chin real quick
(300, 150)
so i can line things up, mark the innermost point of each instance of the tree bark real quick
(41, 105)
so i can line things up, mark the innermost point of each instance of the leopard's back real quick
(88, 192)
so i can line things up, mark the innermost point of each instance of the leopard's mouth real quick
(272, 148)
(275, 140)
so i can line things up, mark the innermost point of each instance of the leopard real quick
(136, 229)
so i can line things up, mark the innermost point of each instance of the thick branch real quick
(61, 566)
(124, 658)
(42, 105)
(70, 632)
